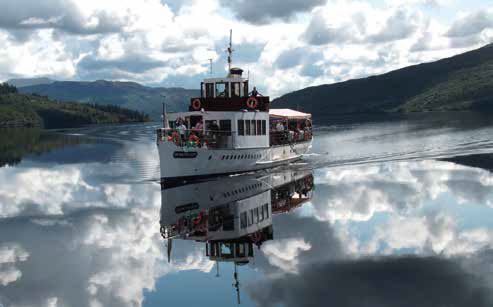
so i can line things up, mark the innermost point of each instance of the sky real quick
(285, 45)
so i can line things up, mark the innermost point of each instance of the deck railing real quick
(289, 136)
(210, 139)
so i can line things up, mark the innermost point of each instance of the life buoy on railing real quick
(196, 105)
(252, 102)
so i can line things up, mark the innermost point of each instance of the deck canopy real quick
(288, 114)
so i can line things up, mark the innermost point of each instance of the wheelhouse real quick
(231, 93)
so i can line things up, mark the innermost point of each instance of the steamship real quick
(229, 129)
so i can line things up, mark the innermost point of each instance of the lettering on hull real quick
(187, 207)
(184, 154)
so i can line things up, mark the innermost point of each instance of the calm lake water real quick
(400, 214)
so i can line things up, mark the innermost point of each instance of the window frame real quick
(226, 89)
(253, 127)
(241, 126)
(247, 127)
(209, 90)
(233, 89)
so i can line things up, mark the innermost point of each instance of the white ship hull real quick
(182, 163)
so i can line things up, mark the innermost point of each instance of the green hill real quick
(23, 110)
(462, 82)
(129, 95)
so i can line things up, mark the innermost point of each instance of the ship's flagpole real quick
(230, 49)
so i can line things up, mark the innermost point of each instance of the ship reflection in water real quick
(232, 215)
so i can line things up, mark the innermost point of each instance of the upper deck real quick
(229, 94)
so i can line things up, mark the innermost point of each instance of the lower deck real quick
(182, 163)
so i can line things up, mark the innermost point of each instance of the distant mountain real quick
(129, 95)
(29, 81)
(461, 82)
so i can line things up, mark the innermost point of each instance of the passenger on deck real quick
(279, 126)
(254, 92)
(198, 127)
(182, 129)
(214, 126)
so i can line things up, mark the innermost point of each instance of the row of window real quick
(241, 157)
(244, 189)
(222, 89)
(252, 127)
(254, 216)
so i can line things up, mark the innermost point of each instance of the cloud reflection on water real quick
(71, 237)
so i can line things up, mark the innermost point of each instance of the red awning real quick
(288, 114)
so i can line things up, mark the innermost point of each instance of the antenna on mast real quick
(210, 63)
(230, 49)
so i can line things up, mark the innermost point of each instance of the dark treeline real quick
(6, 88)
(33, 110)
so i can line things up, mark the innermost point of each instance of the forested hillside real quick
(461, 82)
(23, 110)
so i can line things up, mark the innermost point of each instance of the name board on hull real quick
(184, 154)
(187, 207)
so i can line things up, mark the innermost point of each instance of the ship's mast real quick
(230, 49)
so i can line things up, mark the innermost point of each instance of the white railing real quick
(210, 139)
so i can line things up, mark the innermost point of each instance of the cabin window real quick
(229, 223)
(256, 215)
(259, 127)
(245, 88)
(241, 127)
(249, 218)
(264, 127)
(252, 127)
(226, 250)
(266, 210)
(235, 89)
(222, 89)
(209, 90)
(262, 213)
(225, 125)
(243, 220)
(247, 127)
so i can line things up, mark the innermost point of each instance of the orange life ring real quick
(196, 105)
(194, 138)
(252, 102)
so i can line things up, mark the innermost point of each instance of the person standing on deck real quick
(254, 92)
(181, 129)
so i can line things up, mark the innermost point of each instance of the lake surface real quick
(400, 214)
